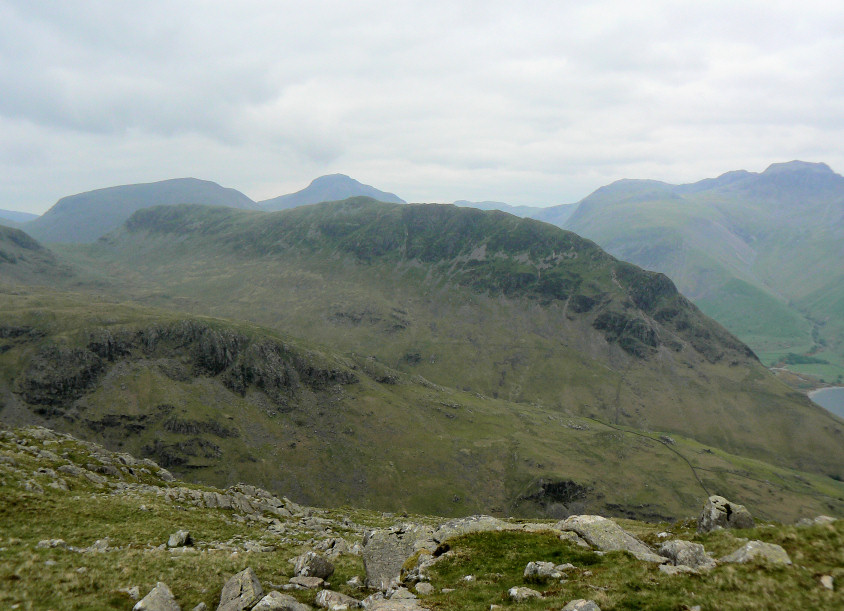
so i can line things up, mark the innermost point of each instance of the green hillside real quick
(220, 402)
(759, 252)
(483, 302)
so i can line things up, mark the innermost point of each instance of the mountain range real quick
(473, 360)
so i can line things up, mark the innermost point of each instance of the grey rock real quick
(828, 582)
(134, 592)
(306, 582)
(718, 512)
(400, 594)
(328, 599)
(160, 598)
(44, 543)
(276, 601)
(311, 564)
(99, 546)
(541, 570)
(385, 551)
(573, 538)
(581, 604)
(403, 604)
(758, 551)
(423, 588)
(180, 538)
(608, 536)
(520, 594)
(816, 521)
(241, 592)
(687, 553)
(471, 524)
(200, 607)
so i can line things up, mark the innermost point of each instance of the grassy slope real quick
(136, 523)
(404, 446)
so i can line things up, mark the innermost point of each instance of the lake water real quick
(831, 399)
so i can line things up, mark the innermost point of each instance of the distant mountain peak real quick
(331, 187)
(798, 166)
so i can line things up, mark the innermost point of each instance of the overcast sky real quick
(534, 103)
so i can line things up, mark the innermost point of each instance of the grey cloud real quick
(530, 103)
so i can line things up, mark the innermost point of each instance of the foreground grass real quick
(616, 580)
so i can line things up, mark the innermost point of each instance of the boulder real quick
(718, 512)
(423, 588)
(160, 598)
(815, 521)
(520, 594)
(385, 552)
(311, 564)
(328, 599)
(180, 538)
(581, 604)
(758, 551)
(546, 570)
(309, 583)
(241, 592)
(608, 536)
(276, 601)
(686, 553)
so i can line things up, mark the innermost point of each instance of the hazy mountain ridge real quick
(759, 251)
(332, 187)
(13, 218)
(86, 216)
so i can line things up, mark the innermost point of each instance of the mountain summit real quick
(330, 188)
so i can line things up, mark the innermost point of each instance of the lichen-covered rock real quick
(180, 538)
(309, 583)
(581, 604)
(311, 564)
(608, 536)
(385, 552)
(718, 512)
(686, 553)
(241, 592)
(520, 594)
(160, 598)
(276, 601)
(753, 551)
(328, 599)
(471, 524)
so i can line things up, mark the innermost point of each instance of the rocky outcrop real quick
(57, 375)
(160, 598)
(718, 512)
(758, 551)
(607, 536)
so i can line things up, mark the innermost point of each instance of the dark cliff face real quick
(57, 375)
